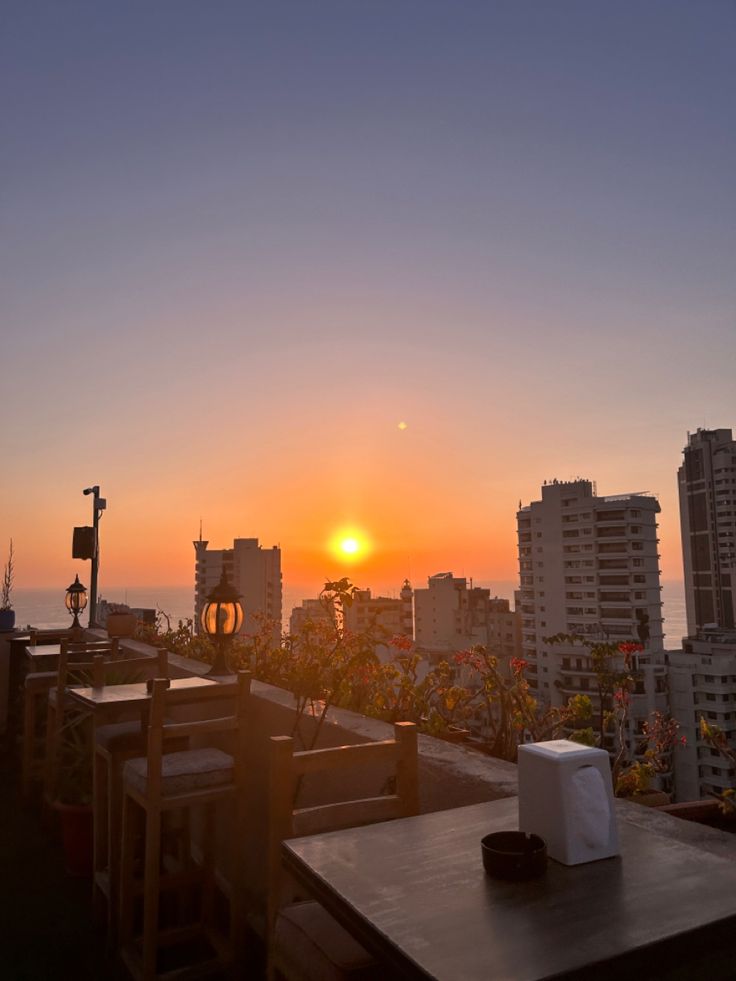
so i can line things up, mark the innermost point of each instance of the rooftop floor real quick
(47, 930)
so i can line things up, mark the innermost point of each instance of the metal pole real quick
(98, 506)
(95, 558)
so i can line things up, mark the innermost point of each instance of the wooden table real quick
(116, 697)
(415, 894)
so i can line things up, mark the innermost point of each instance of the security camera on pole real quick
(86, 545)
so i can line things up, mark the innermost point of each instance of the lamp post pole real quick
(98, 506)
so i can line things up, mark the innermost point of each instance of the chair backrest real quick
(129, 670)
(287, 769)
(78, 649)
(37, 637)
(160, 730)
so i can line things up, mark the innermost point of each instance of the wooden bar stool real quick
(114, 743)
(36, 688)
(155, 786)
(304, 942)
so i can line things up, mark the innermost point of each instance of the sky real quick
(241, 242)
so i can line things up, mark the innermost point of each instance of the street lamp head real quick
(75, 601)
(222, 615)
(92, 490)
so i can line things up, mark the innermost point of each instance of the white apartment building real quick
(702, 676)
(588, 565)
(255, 571)
(702, 682)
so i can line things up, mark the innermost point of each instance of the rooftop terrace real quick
(47, 916)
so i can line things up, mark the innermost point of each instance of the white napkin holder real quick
(566, 797)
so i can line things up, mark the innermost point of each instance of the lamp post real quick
(221, 619)
(75, 601)
(98, 506)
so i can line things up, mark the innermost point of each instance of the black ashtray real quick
(514, 855)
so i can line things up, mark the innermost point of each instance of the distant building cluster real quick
(589, 567)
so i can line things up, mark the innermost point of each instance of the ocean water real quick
(45, 607)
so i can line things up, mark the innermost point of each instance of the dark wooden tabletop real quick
(116, 696)
(35, 651)
(414, 892)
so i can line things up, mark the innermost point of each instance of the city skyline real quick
(378, 268)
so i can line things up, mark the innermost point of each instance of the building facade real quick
(451, 616)
(254, 570)
(589, 566)
(702, 683)
(702, 675)
(707, 485)
(311, 610)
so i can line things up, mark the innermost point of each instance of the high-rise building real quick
(707, 483)
(702, 676)
(588, 565)
(256, 573)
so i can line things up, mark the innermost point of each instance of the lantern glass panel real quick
(75, 600)
(222, 619)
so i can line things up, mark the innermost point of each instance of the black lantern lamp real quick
(221, 619)
(75, 601)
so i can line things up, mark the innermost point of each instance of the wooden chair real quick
(36, 688)
(157, 784)
(114, 743)
(304, 941)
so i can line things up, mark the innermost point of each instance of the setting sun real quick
(350, 545)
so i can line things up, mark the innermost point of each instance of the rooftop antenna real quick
(200, 529)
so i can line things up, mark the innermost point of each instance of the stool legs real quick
(102, 850)
(51, 760)
(127, 876)
(151, 876)
(29, 742)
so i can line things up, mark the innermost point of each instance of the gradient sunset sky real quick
(241, 242)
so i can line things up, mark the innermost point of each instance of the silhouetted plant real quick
(6, 588)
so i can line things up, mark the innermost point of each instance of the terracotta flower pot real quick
(76, 836)
(121, 624)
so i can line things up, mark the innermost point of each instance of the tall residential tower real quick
(702, 675)
(588, 565)
(707, 482)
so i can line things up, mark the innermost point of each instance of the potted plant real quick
(73, 797)
(121, 621)
(7, 613)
